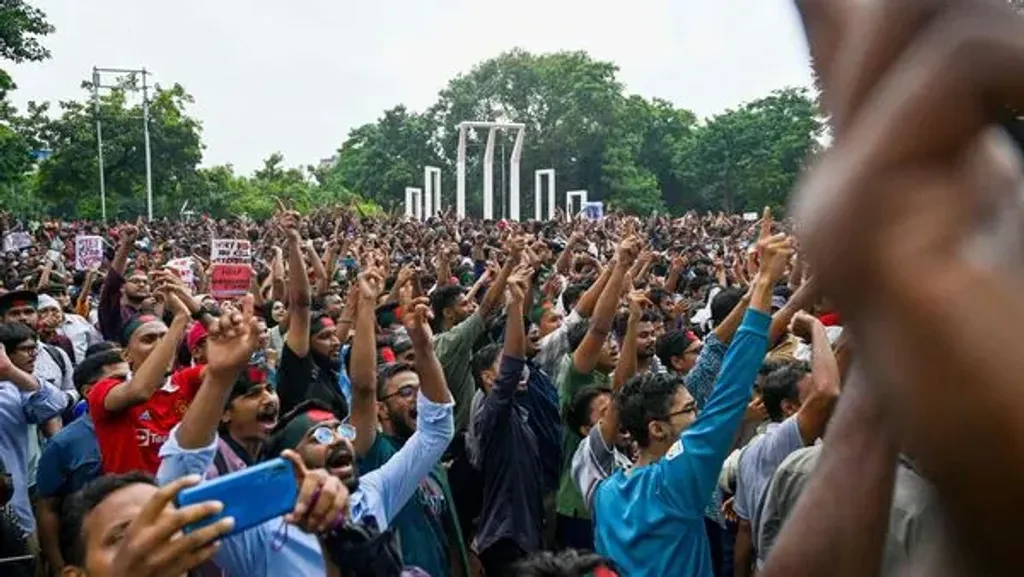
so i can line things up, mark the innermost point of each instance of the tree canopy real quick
(635, 153)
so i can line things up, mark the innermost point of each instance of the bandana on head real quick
(537, 312)
(291, 435)
(320, 323)
(18, 299)
(133, 325)
(253, 376)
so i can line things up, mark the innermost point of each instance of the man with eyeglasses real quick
(122, 295)
(24, 400)
(322, 441)
(427, 526)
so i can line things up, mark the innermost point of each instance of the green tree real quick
(750, 157)
(21, 26)
(568, 101)
(69, 178)
(379, 160)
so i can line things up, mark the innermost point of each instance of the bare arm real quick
(299, 294)
(816, 410)
(363, 368)
(151, 375)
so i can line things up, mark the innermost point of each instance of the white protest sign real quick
(88, 252)
(593, 210)
(230, 251)
(750, 216)
(15, 241)
(183, 268)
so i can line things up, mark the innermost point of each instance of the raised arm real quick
(586, 354)
(230, 343)
(816, 410)
(152, 374)
(363, 367)
(299, 297)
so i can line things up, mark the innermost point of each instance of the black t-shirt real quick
(302, 378)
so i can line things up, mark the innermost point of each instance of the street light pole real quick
(99, 140)
(149, 156)
(96, 86)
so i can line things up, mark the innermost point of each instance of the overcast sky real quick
(296, 76)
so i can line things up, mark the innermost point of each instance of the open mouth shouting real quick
(341, 463)
(266, 416)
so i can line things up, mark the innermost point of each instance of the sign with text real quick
(183, 268)
(593, 210)
(230, 280)
(15, 241)
(230, 251)
(88, 252)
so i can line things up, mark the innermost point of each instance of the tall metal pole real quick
(99, 140)
(149, 158)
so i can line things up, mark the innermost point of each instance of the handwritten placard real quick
(88, 252)
(15, 241)
(183, 268)
(230, 251)
(230, 280)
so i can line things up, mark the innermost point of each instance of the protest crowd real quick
(709, 395)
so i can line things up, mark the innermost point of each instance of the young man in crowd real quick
(133, 416)
(799, 403)
(71, 459)
(648, 519)
(24, 400)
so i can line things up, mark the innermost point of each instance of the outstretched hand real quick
(232, 339)
(154, 545)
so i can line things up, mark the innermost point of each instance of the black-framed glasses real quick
(407, 392)
(326, 434)
(690, 407)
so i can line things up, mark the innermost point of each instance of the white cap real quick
(47, 302)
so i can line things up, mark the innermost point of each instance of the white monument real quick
(513, 165)
(539, 177)
(413, 204)
(431, 191)
(580, 196)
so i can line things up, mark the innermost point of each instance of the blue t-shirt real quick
(650, 520)
(70, 460)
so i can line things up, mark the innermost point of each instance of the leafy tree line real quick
(634, 153)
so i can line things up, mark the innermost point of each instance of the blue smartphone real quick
(252, 496)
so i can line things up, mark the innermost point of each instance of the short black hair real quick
(576, 413)
(645, 398)
(782, 384)
(672, 344)
(91, 368)
(571, 295)
(723, 303)
(442, 298)
(101, 347)
(483, 360)
(78, 505)
(621, 321)
(13, 334)
(567, 563)
(387, 372)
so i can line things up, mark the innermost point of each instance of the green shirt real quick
(427, 525)
(569, 501)
(454, 350)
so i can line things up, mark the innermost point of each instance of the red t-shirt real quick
(130, 440)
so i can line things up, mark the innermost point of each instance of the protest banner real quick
(230, 251)
(88, 252)
(15, 241)
(230, 280)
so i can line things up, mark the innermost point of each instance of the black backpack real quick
(361, 550)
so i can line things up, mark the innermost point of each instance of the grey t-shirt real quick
(913, 517)
(758, 462)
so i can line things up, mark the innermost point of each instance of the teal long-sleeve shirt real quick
(649, 520)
